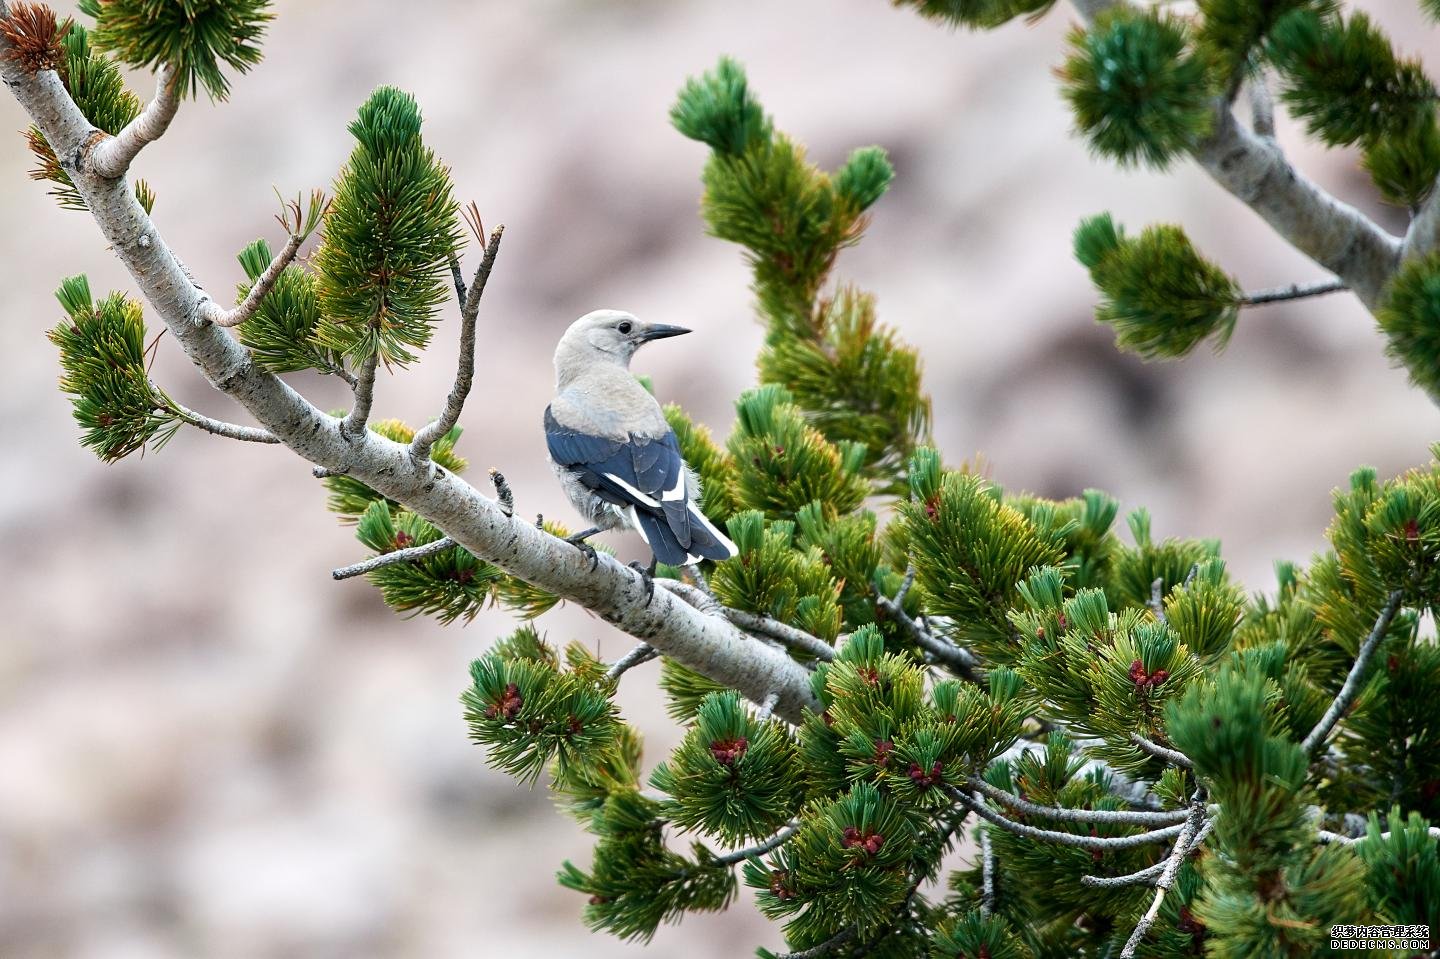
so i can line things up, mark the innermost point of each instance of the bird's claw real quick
(647, 577)
(579, 542)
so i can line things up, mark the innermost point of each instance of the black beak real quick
(659, 331)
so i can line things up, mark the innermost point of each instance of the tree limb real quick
(1165, 880)
(760, 849)
(465, 374)
(955, 658)
(709, 645)
(111, 157)
(353, 426)
(1423, 237)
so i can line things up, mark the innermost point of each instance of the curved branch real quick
(213, 312)
(465, 374)
(707, 644)
(1351, 689)
(111, 157)
(411, 554)
(234, 431)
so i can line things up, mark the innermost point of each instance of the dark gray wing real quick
(646, 475)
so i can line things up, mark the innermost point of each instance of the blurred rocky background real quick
(208, 749)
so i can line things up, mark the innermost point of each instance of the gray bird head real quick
(607, 336)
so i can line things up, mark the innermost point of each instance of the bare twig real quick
(977, 805)
(642, 653)
(1061, 814)
(767, 707)
(408, 555)
(459, 280)
(1161, 752)
(465, 373)
(1295, 291)
(1423, 237)
(1351, 689)
(1148, 875)
(506, 496)
(298, 224)
(1166, 879)
(234, 431)
(111, 157)
(796, 639)
(761, 849)
(1157, 599)
(960, 661)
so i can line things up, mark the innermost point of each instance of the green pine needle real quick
(194, 36)
(1138, 92)
(1344, 80)
(719, 110)
(103, 359)
(1160, 296)
(1410, 318)
(95, 84)
(383, 268)
(980, 14)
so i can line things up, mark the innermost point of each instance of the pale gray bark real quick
(112, 157)
(213, 312)
(1165, 880)
(234, 431)
(708, 644)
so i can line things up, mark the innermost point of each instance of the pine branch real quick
(1295, 291)
(1165, 880)
(1252, 168)
(642, 653)
(767, 708)
(1353, 681)
(412, 554)
(1161, 752)
(465, 374)
(234, 431)
(708, 644)
(112, 157)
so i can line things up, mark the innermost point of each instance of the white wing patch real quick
(635, 524)
(639, 496)
(677, 492)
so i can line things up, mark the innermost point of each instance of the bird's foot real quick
(647, 577)
(578, 541)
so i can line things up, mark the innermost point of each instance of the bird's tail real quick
(706, 542)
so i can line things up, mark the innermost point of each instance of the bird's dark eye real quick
(624, 327)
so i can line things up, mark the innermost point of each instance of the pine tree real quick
(903, 653)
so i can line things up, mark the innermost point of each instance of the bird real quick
(612, 450)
